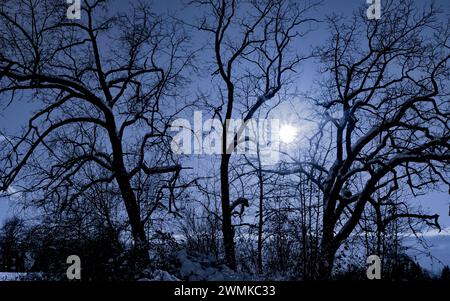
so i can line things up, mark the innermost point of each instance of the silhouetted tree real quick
(100, 85)
(445, 274)
(252, 56)
(12, 242)
(385, 125)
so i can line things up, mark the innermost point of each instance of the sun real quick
(287, 133)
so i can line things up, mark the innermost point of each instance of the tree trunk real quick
(260, 222)
(326, 263)
(141, 256)
(328, 248)
(261, 210)
(227, 227)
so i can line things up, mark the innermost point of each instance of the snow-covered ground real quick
(202, 268)
(435, 257)
(10, 276)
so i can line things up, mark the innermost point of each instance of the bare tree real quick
(385, 120)
(251, 41)
(12, 241)
(103, 87)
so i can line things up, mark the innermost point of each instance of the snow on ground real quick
(434, 258)
(160, 275)
(10, 276)
(205, 269)
(201, 268)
